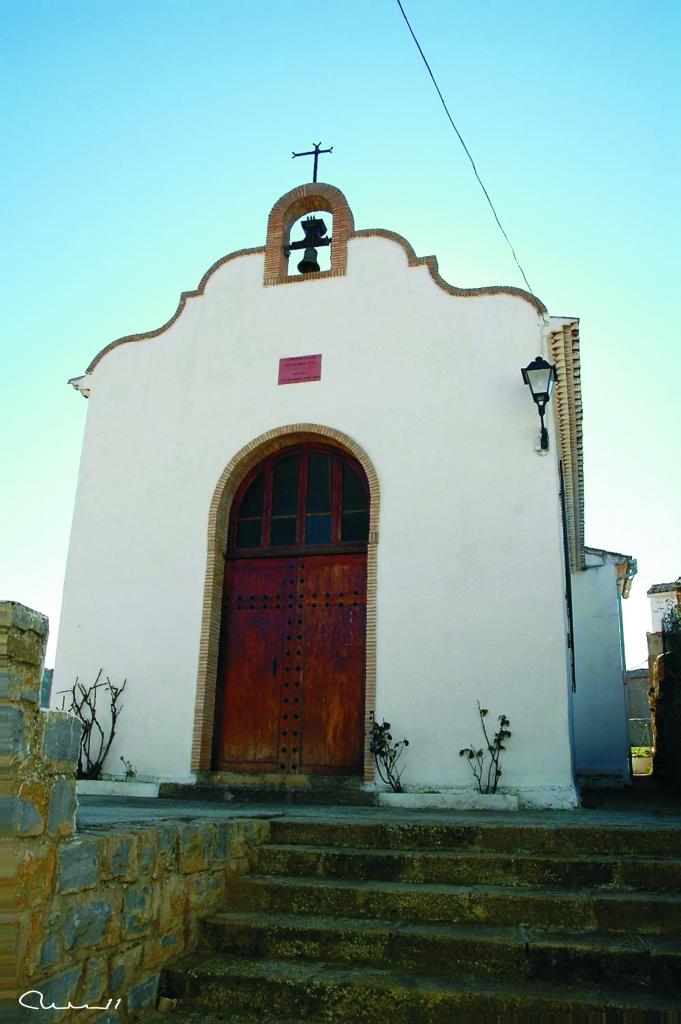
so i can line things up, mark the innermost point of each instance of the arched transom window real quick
(316, 498)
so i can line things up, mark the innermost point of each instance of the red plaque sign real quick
(296, 369)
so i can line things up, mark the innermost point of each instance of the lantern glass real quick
(540, 376)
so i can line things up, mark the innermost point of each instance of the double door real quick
(292, 665)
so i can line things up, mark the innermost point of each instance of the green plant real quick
(130, 772)
(386, 754)
(475, 758)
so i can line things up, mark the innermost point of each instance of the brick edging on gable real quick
(289, 208)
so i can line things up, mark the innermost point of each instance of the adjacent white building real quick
(663, 597)
(311, 499)
(602, 754)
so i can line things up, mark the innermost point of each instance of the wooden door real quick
(254, 626)
(292, 661)
(334, 628)
(293, 665)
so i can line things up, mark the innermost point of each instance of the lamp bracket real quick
(539, 449)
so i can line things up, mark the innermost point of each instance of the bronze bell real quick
(314, 230)
(308, 264)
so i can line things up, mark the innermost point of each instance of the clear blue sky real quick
(143, 140)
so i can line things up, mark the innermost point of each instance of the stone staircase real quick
(421, 923)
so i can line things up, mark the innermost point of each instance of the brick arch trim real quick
(287, 210)
(218, 525)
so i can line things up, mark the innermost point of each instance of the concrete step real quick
(232, 787)
(502, 837)
(473, 868)
(318, 990)
(509, 952)
(605, 911)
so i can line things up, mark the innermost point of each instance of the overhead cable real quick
(466, 150)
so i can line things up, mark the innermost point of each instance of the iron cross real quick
(315, 153)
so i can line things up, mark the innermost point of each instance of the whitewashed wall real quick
(470, 575)
(600, 704)
(660, 604)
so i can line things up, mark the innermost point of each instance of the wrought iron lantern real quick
(540, 376)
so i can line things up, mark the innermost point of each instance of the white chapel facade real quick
(308, 500)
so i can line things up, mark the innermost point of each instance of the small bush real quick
(386, 754)
(488, 777)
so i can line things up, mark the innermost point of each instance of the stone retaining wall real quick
(123, 903)
(89, 916)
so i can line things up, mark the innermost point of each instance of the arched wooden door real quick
(292, 650)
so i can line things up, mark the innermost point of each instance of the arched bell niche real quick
(297, 205)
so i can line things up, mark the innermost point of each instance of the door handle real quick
(274, 666)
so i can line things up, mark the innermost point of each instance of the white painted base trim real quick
(469, 800)
(111, 787)
(556, 798)
(550, 798)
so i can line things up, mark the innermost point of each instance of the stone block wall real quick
(124, 902)
(37, 787)
(88, 917)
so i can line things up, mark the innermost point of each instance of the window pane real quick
(251, 504)
(354, 493)
(319, 483)
(283, 531)
(355, 526)
(248, 533)
(318, 530)
(285, 487)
